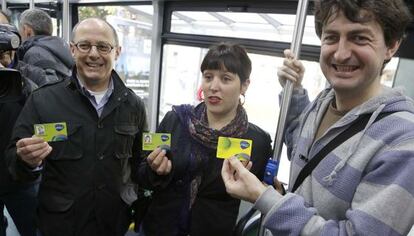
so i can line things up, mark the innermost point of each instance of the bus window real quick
(388, 74)
(403, 77)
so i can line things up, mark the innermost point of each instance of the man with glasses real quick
(82, 176)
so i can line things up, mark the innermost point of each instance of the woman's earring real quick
(200, 95)
(240, 99)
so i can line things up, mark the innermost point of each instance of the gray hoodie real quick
(45, 59)
(363, 187)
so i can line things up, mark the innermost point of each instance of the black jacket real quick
(10, 106)
(79, 192)
(214, 211)
(45, 59)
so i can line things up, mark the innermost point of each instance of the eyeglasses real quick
(85, 47)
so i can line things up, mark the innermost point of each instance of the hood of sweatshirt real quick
(55, 45)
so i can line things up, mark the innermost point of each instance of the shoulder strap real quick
(356, 126)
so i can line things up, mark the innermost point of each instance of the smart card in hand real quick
(151, 141)
(228, 147)
(51, 132)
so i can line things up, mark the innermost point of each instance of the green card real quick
(51, 132)
(151, 141)
(228, 147)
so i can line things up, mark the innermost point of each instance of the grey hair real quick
(38, 20)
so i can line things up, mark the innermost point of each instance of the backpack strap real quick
(355, 127)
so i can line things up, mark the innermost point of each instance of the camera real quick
(10, 79)
(9, 38)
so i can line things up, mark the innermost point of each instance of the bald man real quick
(82, 176)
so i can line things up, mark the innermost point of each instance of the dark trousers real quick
(21, 203)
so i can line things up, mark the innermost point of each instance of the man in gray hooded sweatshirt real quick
(364, 185)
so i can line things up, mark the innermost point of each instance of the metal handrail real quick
(65, 20)
(4, 5)
(295, 47)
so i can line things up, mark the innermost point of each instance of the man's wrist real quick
(267, 200)
(27, 165)
(259, 191)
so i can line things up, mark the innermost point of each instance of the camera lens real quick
(14, 41)
(9, 41)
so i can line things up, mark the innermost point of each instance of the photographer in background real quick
(20, 199)
(5, 55)
(43, 58)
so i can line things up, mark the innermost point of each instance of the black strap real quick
(357, 126)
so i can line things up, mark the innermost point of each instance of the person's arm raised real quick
(291, 69)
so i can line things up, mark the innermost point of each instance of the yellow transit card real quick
(151, 141)
(51, 132)
(228, 147)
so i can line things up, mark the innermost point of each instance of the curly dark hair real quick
(392, 15)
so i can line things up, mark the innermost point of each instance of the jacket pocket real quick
(125, 136)
(70, 149)
(54, 203)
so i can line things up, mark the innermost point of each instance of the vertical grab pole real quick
(4, 5)
(155, 70)
(31, 4)
(295, 47)
(66, 21)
